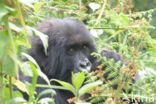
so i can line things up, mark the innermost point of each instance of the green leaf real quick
(78, 79)
(14, 27)
(38, 6)
(8, 65)
(17, 100)
(118, 19)
(41, 74)
(45, 92)
(20, 85)
(25, 68)
(6, 95)
(43, 37)
(88, 87)
(46, 101)
(3, 11)
(32, 87)
(8, 54)
(68, 86)
(51, 86)
(112, 75)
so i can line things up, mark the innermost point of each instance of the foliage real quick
(76, 87)
(114, 24)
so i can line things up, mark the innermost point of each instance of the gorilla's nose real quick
(85, 65)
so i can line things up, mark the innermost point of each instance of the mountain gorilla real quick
(70, 48)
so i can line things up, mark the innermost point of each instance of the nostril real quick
(85, 64)
(82, 65)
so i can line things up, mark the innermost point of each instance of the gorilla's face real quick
(72, 47)
(78, 55)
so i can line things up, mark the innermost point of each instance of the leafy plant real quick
(114, 24)
(77, 87)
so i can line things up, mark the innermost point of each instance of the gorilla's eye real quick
(85, 46)
(71, 50)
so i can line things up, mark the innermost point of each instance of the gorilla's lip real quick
(88, 69)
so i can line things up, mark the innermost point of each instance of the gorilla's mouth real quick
(85, 67)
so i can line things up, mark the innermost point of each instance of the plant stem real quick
(1, 84)
(10, 87)
(18, 8)
(101, 12)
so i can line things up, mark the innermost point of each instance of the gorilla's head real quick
(70, 48)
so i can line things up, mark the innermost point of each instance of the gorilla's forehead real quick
(76, 34)
(73, 31)
(71, 28)
(79, 39)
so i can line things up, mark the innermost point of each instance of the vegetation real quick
(116, 26)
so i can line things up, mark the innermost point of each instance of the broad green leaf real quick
(43, 37)
(25, 68)
(46, 101)
(32, 87)
(4, 42)
(3, 11)
(6, 95)
(14, 27)
(8, 54)
(88, 87)
(20, 85)
(45, 92)
(68, 86)
(41, 74)
(17, 100)
(8, 65)
(78, 79)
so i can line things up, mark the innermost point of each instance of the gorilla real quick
(69, 50)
